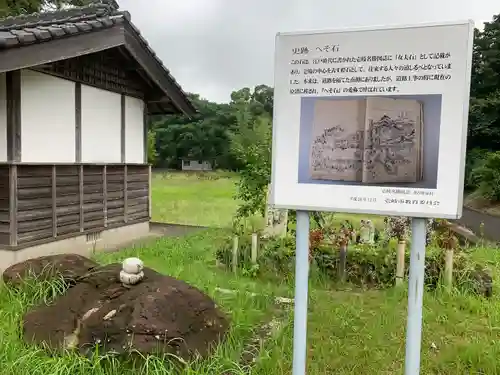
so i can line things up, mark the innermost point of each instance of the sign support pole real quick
(415, 296)
(301, 294)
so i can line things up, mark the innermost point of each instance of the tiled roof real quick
(42, 27)
(25, 30)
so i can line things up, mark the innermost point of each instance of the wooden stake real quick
(400, 262)
(342, 261)
(235, 254)
(255, 244)
(448, 269)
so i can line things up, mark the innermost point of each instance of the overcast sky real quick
(213, 47)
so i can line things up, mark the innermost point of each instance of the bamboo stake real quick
(342, 261)
(448, 269)
(255, 243)
(400, 262)
(235, 254)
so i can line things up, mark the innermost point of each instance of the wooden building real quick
(196, 165)
(76, 88)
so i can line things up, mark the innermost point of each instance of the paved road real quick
(472, 219)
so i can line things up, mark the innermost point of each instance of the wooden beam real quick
(149, 193)
(157, 73)
(54, 201)
(145, 130)
(123, 132)
(13, 204)
(80, 190)
(13, 85)
(105, 193)
(125, 193)
(78, 122)
(61, 49)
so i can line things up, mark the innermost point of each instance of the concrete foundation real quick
(85, 245)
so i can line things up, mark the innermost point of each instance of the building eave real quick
(34, 40)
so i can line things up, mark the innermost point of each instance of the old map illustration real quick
(374, 140)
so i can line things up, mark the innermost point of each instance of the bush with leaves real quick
(251, 145)
(474, 161)
(488, 177)
(367, 266)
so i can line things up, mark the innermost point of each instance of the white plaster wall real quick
(47, 118)
(134, 130)
(101, 126)
(3, 118)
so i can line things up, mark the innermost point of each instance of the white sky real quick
(213, 47)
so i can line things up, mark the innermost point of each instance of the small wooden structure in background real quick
(76, 89)
(196, 165)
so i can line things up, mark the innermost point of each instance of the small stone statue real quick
(132, 271)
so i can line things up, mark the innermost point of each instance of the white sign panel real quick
(372, 120)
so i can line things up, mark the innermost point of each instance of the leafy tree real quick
(152, 154)
(207, 135)
(17, 7)
(488, 176)
(484, 116)
(252, 147)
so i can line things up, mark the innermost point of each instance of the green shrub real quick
(488, 177)
(367, 266)
(474, 160)
(224, 253)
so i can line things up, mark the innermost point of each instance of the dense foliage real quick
(16, 7)
(367, 265)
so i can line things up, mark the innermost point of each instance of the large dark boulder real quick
(68, 266)
(160, 314)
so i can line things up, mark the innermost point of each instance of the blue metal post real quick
(415, 297)
(301, 294)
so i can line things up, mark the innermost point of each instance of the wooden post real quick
(80, 180)
(105, 194)
(235, 254)
(149, 194)
(13, 204)
(448, 269)
(342, 261)
(13, 91)
(255, 246)
(125, 193)
(123, 122)
(54, 201)
(78, 122)
(400, 262)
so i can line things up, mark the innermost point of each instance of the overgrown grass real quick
(202, 198)
(350, 331)
(189, 259)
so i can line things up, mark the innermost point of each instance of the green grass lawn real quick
(190, 198)
(350, 331)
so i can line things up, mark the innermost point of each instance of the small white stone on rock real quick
(90, 312)
(109, 315)
(132, 265)
(130, 278)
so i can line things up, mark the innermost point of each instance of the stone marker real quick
(276, 219)
(132, 271)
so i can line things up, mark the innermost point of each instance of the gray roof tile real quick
(51, 25)
(16, 32)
